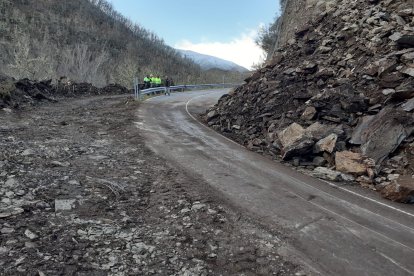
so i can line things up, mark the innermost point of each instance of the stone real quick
(403, 93)
(318, 131)
(64, 204)
(384, 140)
(350, 162)
(388, 91)
(20, 192)
(391, 80)
(211, 115)
(29, 244)
(408, 71)
(27, 152)
(59, 164)
(10, 211)
(185, 210)
(327, 174)
(319, 161)
(11, 182)
(6, 230)
(347, 177)
(299, 148)
(332, 119)
(74, 182)
(386, 66)
(406, 40)
(4, 251)
(400, 190)
(30, 234)
(10, 194)
(326, 144)
(393, 176)
(309, 113)
(291, 134)
(408, 57)
(409, 105)
(198, 206)
(379, 135)
(395, 36)
(359, 135)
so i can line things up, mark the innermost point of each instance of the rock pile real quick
(15, 93)
(338, 99)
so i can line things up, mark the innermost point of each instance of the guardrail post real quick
(135, 88)
(139, 91)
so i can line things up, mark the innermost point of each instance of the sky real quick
(223, 28)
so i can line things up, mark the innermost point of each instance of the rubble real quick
(28, 92)
(347, 75)
(400, 189)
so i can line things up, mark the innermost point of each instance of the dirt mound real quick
(28, 92)
(343, 86)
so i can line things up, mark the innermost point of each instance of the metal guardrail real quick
(159, 90)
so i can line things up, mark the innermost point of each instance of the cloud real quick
(241, 50)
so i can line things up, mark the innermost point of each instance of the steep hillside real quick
(209, 62)
(338, 94)
(85, 40)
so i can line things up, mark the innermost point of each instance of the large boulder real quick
(350, 162)
(291, 135)
(400, 190)
(326, 144)
(294, 141)
(381, 134)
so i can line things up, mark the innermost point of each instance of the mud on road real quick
(82, 195)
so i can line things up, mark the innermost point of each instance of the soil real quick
(82, 195)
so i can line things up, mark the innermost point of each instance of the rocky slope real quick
(338, 99)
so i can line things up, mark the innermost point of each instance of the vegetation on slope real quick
(85, 40)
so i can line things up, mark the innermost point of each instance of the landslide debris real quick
(338, 99)
(17, 93)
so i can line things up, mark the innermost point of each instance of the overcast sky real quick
(222, 28)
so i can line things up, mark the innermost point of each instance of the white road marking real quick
(370, 199)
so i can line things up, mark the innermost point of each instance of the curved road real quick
(332, 229)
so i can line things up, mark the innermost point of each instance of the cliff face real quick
(338, 93)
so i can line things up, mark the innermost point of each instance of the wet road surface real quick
(332, 229)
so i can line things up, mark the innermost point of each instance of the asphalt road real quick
(332, 229)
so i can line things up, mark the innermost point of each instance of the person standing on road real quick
(167, 85)
(152, 80)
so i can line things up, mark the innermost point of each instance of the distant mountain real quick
(209, 62)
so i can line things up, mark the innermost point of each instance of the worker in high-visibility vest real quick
(152, 80)
(158, 81)
(147, 82)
